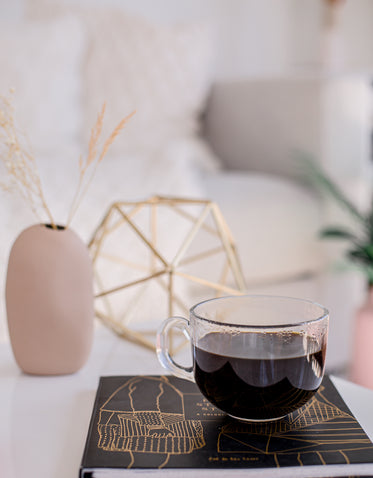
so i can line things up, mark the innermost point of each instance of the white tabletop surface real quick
(44, 420)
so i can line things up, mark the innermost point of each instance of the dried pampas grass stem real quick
(19, 162)
(93, 159)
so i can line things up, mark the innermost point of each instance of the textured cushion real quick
(42, 61)
(274, 222)
(163, 72)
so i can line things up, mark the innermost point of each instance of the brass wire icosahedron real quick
(175, 247)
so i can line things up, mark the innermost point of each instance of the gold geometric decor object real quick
(155, 258)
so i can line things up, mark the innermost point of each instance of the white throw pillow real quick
(164, 72)
(160, 71)
(42, 62)
(275, 224)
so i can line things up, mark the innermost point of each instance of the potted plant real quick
(49, 284)
(359, 254)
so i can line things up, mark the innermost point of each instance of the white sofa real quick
(231, 141)
(260, 129)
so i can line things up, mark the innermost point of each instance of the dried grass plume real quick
(19, 161)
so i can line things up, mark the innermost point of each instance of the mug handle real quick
(163, 350)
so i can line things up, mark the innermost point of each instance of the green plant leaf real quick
(362, 254)
(315, 173)
(337, 233)
(368, 249)
(369, 220)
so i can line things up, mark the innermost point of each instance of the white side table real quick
(44, 420)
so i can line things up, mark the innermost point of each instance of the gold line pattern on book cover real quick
(161, 428)
(236, 437)
(147, 415)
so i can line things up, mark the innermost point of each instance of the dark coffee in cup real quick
(256, 358)
(242, 377)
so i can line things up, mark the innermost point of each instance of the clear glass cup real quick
(256, 358)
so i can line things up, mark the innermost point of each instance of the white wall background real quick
(354, 33)
(258, 37)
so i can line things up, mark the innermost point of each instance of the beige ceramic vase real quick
(49, 301)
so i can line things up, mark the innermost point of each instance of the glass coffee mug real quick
(256, 358)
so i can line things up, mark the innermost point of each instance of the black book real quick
(145, 423)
